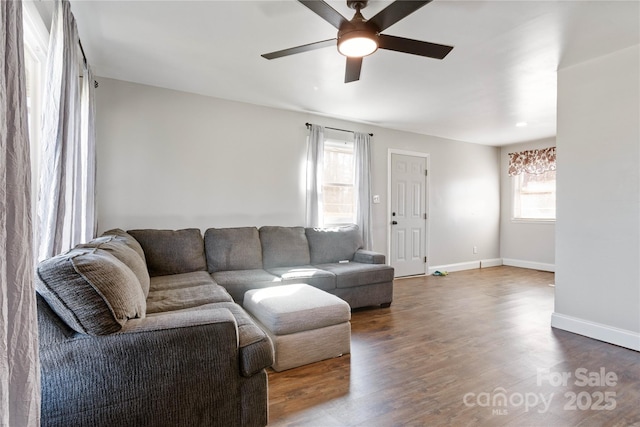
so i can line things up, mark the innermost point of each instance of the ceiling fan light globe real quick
(357, 45)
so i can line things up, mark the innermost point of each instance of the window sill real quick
(533, 221)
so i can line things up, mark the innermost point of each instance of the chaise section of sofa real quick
(120, 346)
(362, 277)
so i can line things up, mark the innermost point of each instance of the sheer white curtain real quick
(19, 364)
(315, 162)
(87, 205)
(65, 214)
(362, 151)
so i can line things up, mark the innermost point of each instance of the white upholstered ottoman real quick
(304, 323)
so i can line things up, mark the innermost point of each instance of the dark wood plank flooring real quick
(471, 348)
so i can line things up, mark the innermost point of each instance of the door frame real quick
(426, 156)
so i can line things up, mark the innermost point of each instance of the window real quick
(533, 174)
(338, 193)
(36, 39)
(534, 196)
(33, 70)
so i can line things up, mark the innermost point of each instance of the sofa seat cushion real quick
(91, 290)
(172, 251)
(321, 279)
(186, 290)
(118, 247)
(237, 282)
(352, 274)
(327, 245)
(284, 246)
(184, 280)
(233, 249)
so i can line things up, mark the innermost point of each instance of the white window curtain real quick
(66, 203)
(315, 162)
(87, 203)
(362, 146)
(315, 165)
(19, 363)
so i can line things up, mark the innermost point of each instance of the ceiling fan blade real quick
(300, 49)
(352, 74)
(415, 47)
(395, 12)
(326, 12)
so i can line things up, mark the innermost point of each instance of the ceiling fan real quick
(360, 37)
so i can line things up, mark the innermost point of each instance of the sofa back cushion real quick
(118, 247)
(172, 251)
(284, 246)
(233, 249)
(91, 290)
(327, 245)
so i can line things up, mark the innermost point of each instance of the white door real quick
(408, 214)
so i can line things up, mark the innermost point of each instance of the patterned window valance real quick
(532, 161)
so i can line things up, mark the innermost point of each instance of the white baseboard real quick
(598, 331)
(529, 264)
(494, 262)
(455, 267)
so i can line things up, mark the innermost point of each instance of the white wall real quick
(598, 224)
(170, 159)
(524, 244)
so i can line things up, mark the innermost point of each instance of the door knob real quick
(394, 222)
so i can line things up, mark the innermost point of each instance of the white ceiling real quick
(501, 71)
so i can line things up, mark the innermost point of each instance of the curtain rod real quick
(308, 125)
(84, 58)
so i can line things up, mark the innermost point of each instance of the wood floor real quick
(472, 348)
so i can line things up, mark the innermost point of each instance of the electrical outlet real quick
(475, 249)
(376, 199)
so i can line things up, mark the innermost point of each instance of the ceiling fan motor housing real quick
(358, 28)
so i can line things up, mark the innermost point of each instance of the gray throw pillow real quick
(129, 240)
(117, 246)
(91, 290)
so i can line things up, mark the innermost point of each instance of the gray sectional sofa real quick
(141, 327)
